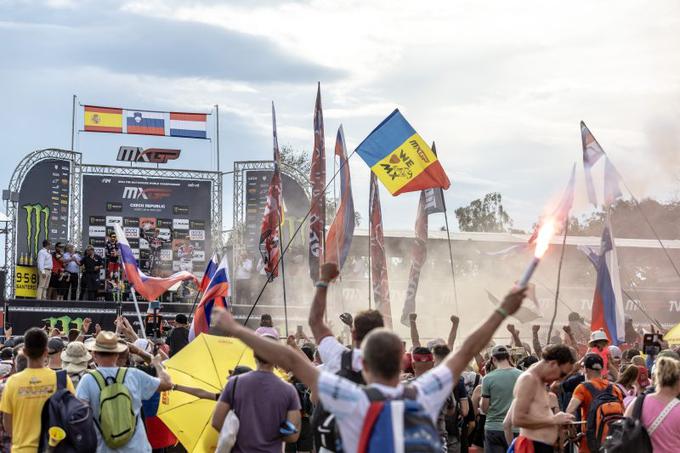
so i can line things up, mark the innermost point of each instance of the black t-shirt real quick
(177, 339)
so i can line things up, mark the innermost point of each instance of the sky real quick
(501, 86)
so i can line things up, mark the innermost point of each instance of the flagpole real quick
(559, 276)
(283, 278)
(134, 299)
(217, 134)
(453, 272)
(370, 286)
(73, 124)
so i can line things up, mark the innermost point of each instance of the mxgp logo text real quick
(139, 193)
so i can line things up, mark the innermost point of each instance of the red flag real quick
(317, 218)
(381, 290)
(419, 255)
(270, 245)
(341, 232)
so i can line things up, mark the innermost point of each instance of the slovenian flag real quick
(189, 125)
(208, 274)
(214, 296)
(149, 287)
(146, 123)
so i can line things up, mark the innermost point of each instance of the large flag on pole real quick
(380, 283)
(149, 287)
(339, 238)
(317, 218)
(400, 157)
(215, 295)
(592, 152)
(608, 307)
(208, 273)
(270, 239)
(418, 257)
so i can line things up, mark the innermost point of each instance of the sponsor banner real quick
(112, 220)
(97, 231)
(144, 254)
(25, 281)
(134, 243)
(180, 234)
(113, 206)
(175, 266)
(143, 244)
(180, 210)
(164, 223)
(96, 220)
(197, 224)
(131, 222)
(166, 255)
(135, 253)
(180, 224)
(131, 232)
(199, 255)
(197, 235)
(101, 251)
(164, 233)
(97, 242)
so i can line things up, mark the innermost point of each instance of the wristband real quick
(502, 311)
(321, 284)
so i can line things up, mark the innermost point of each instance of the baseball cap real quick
(55, 345)
(615, 352)
(499, 349)
(593, 362)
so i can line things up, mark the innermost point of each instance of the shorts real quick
(113, 267)
(523, 444)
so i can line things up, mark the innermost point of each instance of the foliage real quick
(484, 215)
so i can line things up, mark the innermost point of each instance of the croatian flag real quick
(208, 274)
(149, 287)
(214, 296)
(607, 302)
(189, 125)
(146, 123)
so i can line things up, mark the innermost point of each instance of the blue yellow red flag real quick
(400, 158)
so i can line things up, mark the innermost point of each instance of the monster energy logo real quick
(66, 322)
(37, 218)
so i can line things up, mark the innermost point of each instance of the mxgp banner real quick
(43, 208)
(419, 255)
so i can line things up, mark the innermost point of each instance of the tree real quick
(485, 215)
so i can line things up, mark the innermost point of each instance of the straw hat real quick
(75, 358)
(597, 335)
(106, 342)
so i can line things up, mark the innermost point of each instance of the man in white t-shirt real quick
(382, 352)
(330, 349)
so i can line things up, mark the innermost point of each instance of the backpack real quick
(604, 409)
(416, 429)
(323, 423)
(117, 420)
(64, 410)
(629, 434)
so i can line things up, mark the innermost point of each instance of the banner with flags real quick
(339, 238)
(270, 240)
(379, 280)
(215, 295)
(608, 309)
(592, 152)
(145, 122)
(317, 217)
(149, 287)
(400, 157)
(418, 257)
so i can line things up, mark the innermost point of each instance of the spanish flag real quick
(103, 119)
(400, 158)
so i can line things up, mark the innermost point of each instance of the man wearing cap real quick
(599, 344)
(179, 335)
(497, 388)
(54, 347)
(141, 386)
(594, 365)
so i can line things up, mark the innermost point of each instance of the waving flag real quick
(317, 218)
(340, 235)
(149, 287)
(214, 296)
(208, 274)
(188, 125)
(419, 255)
(592, 152)
(400, 157)
(270, 244)
(147, 123)
(612, 190)
(608, 311)
(381, 289)
(103, 119)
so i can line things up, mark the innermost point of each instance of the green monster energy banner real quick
(43, 208)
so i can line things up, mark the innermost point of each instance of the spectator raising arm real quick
(455, 320)
(319, 329)
(457, 361)
(536, 342)
(515, 335)
(415, 337)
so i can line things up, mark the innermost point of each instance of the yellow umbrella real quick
(204, 363)
(673, 335)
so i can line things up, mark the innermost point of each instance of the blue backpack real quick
(417, 431)
(75, 417)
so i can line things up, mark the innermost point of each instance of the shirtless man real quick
(531, 410)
